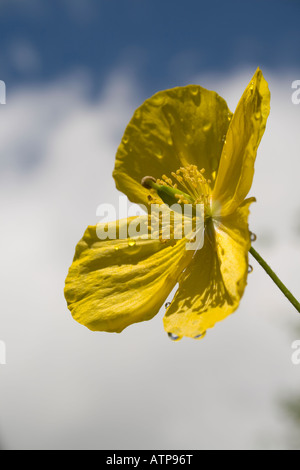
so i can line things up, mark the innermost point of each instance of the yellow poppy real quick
(190, 143)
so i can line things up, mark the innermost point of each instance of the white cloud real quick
(65, 387)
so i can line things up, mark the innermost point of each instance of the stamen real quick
(196, 188)
(188, 187)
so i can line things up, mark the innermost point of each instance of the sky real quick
(75, 71)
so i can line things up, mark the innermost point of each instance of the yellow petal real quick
(174, 128)
(211, 287)
(114, 283)
(236, 170)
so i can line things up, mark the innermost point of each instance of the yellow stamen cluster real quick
(188, 185)
(193, 182)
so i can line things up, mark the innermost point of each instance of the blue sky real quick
(163, 41)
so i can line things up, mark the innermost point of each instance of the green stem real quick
(276, 279)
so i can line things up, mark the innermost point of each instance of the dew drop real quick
(195, 93)
(206, 127)
(117, 248)
(257, 115)
(158, 99)
(167, 304)
(125, 140)
(170, 141)
(171, 119)
(200, 336)
(131, 243)
(253, 237)
(250, 269)
(138, 114)
(174, 337)
(159, 154)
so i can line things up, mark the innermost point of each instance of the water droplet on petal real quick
(125, 140)
(174, 337)
(253, 237)
(257, 115)
(131, 243)
(206, 127)
(201, 336)
(117, 248)
(171, 119)
(195, 93)
(250, 269)
(158, 99)
(158, 153)
(138, 114)
(167, 304)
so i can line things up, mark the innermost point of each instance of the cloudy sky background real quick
(75, 71)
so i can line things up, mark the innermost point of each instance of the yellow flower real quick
(188, 140)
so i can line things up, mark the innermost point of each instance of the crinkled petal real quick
(236, 169)
(211, 287)
(114, 283)
(174, 128)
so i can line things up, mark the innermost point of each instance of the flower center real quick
(188, 185)
(187, 194)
